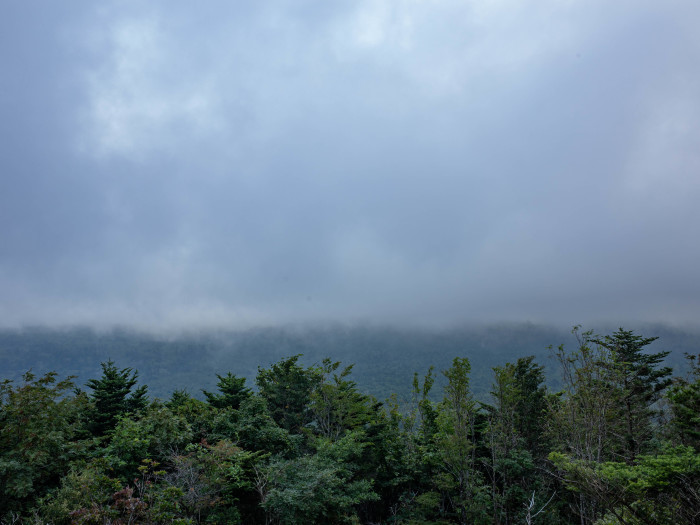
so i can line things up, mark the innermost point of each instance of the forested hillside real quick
(385, 358)
(607, 433)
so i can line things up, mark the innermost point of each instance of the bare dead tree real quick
(530, 517)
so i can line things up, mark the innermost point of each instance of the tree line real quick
(618, 443)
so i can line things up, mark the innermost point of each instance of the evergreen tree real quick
(456, 440)
(233, 392)
(112, 397)
(662, 488)
(641, 382)
(515, 439)
(606, 414)
(684, 398)
(336, 404)
(252, 427)
(584, 417)
(318, 488)
(287, 388)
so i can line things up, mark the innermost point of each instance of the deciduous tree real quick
(40, 430)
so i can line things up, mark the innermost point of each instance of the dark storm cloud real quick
(170, 165)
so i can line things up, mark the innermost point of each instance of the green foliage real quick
(287, 388)
(606, 412)
(520, 405)
(199, 415)
(585, 419)
(40, 431)
(311, 447)
(640, 382)
(252, 428)
(233, 392)
(156, 435)
(112, 397)
(663, 488)
(456, 443)
(179, 398)
(196, 487)
(85, 489)
(213, 479)
(684, 399)
(424, 407)
(318, 488)
(514, 438)
(336, 404)
(386, 461)
(148, 501)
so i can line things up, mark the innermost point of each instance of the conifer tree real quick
(515, 440)
(287, 388)
(641, 383)
(457, 441)
(233, 392)
(684, 398)
(336, 404)
(112, 397)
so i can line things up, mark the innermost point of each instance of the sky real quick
(172, 164)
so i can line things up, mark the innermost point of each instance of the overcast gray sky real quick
(181, 164)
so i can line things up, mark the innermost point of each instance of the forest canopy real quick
(616, 442)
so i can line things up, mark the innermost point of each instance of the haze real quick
(177, 165)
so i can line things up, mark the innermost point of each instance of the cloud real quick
(137, 98)
(403, 161)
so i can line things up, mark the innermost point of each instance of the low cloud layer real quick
(173, 165)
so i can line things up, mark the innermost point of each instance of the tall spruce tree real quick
(112, 397)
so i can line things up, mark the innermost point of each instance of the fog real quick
(169, 165)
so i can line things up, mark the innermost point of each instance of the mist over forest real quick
(351, 424)
(299, 262)
(385, 358)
